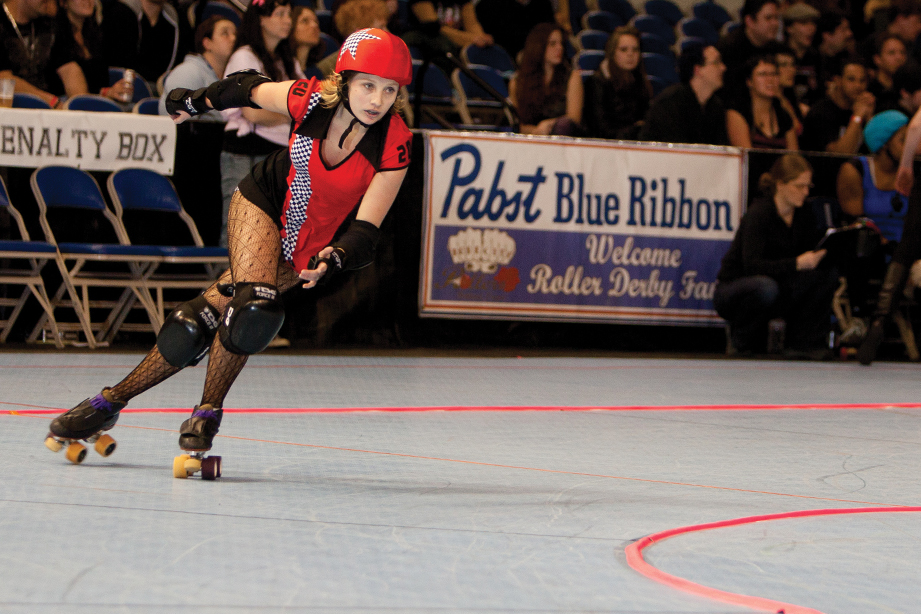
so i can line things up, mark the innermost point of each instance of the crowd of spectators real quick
(787, 75)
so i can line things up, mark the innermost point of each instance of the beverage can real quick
(129, 82)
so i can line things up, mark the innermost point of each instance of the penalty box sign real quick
(91, 141)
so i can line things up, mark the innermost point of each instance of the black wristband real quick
(191, 102)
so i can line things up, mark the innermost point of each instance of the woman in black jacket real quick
(772, 269)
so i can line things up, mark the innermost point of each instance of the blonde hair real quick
(784, 170)
(331, 93)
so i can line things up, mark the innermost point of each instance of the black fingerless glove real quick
(354, 250)
(234, 90)
(182, 99)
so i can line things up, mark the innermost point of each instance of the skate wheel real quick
(211, 468)
(76, 453)
(53, 444)
(192, 465)
(105, 445)
(179, 466)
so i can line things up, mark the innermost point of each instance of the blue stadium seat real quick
(655, 25)
(91, 102)
(28, 101)
(650, 43)
(621, 8)
(601, 20)
(593, 39)
(712, 12)
(222, 10)
(699, 28)
(588, 61)
(491, 55)
(661, 66)
(666, 9)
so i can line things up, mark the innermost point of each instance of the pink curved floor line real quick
(635, 558)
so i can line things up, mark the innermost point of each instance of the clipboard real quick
(856, 240)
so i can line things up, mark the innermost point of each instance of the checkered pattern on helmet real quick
(351, 43)
(301, 192)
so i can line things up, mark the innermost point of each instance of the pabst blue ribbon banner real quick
(560, 229)
(91, 141)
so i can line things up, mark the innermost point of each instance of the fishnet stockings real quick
(255, 256)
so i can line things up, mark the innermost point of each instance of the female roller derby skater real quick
(290, 221)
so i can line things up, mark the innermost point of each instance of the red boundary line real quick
(635, 559)
(37, 409)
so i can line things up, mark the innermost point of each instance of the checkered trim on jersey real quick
(301, 192)
(351, 43)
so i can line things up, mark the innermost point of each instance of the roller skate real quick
(87, 421)
(195, 437)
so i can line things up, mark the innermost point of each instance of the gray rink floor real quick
(466, 511)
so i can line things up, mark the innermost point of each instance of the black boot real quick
(89, 417)
(888, 295)
(197, 433)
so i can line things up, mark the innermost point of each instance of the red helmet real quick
(378, 53)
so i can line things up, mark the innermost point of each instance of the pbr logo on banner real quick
(554, 229)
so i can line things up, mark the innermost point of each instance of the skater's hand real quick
(810, 260)
(313, 275)
(180, 117)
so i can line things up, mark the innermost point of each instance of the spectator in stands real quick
(510, 21)
(836, 122)
(786, 72)
(758, 35)
(31, 52)
(690, 112)
(617, 95)
(772, 271)
(799, 32)
(834, 41)
(79, 30)
(760, 119)
(866, 188)
(215, 40)
(197, 174)
(144, 35)
(903, 19)
(252, 134)
(351, 17)
(438, 27)
(305, 37)
(890, 55)
(904, 271)
(544, 89)
(906, 86)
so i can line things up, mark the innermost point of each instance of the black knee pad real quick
(188, 331)
(252, 318)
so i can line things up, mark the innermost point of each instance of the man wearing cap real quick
(799, 31)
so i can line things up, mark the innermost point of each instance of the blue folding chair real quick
(144, 199)
(577, 8)
(593, 39)
(666, 9)
(650, 43)
(147, 106)
(21, 264)
(330, 44)
(691, 42)
(222, 10)
(29, 101)
(326, 22)
(141, 87)
(621, 8)
(699, 28)
(588, 60)
(490, 55)
(92, 102)
(92, 256)
(661, 66)
(601, 20)
(472, 98)
(652, 24)
(712, 12)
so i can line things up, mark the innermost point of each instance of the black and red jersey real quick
(310, 199)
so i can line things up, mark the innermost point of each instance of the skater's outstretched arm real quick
(238, 89)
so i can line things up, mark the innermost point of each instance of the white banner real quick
(90, 141)
(573, 229)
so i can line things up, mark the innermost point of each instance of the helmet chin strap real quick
(355, 120)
